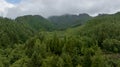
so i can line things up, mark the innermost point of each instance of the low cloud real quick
(58, 7)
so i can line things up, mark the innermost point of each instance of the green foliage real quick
(4, 62)
(112, 45)
(98, 60)
(23, 62)
(53, 61)
(12, 32)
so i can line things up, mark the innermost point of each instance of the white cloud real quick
(58, 7)
(4, 6)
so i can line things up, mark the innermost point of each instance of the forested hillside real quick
(67, 21)
(33, 41)
(102, 29)
(12, 32)
(36, 22)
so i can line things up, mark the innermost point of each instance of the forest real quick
(60, 41)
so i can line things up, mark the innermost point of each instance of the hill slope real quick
(102, 28)
(67, 21)
(36, 22)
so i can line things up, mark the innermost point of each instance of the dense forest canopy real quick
(34, 41)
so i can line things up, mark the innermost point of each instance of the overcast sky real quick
(14, 8)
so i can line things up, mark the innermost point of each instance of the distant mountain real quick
(66, 21)
(36, 22)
